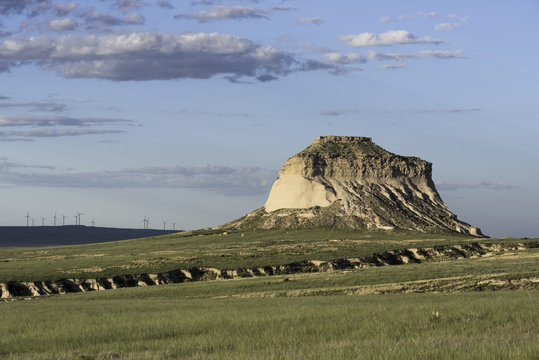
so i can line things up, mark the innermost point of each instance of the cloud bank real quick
(391, 37)
(220, 179)
(371, 55)
(152, 56)
(21, 120)
(55, 126)
(223, 12)
(12, 135)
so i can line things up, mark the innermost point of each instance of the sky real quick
(184, 111)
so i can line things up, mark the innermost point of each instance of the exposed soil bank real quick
(13, 289)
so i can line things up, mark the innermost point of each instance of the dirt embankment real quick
(13, 289)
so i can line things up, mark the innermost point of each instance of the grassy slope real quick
(509, 266)
(206, 320)
(163, 253)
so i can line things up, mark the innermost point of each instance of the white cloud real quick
(151, 56)
(388, 19)
(2, 139)
(61, 25)
(430, 14)
(213, 2)
(424, 54)
(34, 106)
(440, 54)
(393, 66)
(55, 126)
(128, 5)
(223, 12)
(340, 61)
(54, 133)
(104, 20)
(22, 120)
(449, 26)
(446, 26)
(470, 109)
(337, 112)
(66, 9)
(17, 6)
(343, 59)
(6, 165)
(164, 4)
(311, 20)
(404, 17)
(391, 37)
(442, 185)
(451, 110)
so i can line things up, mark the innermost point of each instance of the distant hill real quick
(69, 235)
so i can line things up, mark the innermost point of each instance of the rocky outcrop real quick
(17, 289)
(349, 182)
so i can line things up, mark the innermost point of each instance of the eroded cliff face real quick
(351, 183)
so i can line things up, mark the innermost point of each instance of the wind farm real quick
(64, 233)
(77, 221)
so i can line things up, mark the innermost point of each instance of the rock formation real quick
(349, 182)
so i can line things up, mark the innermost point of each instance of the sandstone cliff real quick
(349, 182)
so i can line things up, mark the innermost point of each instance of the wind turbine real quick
(63, 220)
(147, 223)
(27, 218)
(164, 225)
(76, 219)
(92, 222)
(43, 221)
(144, 222)
(32, 222)
(173, 226)
(54, 219)
(78, 216)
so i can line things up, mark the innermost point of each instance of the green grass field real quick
(433, 310)
(207, 320)
(185, 250)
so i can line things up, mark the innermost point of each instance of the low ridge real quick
(349, 182)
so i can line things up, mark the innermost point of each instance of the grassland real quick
(287, 317)
(388, 312)
(186, 250)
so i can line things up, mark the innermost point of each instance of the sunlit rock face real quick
(349, 182)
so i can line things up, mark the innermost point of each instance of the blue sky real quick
(184, 111)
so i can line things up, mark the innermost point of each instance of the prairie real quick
(481, 307)
(204, 248)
